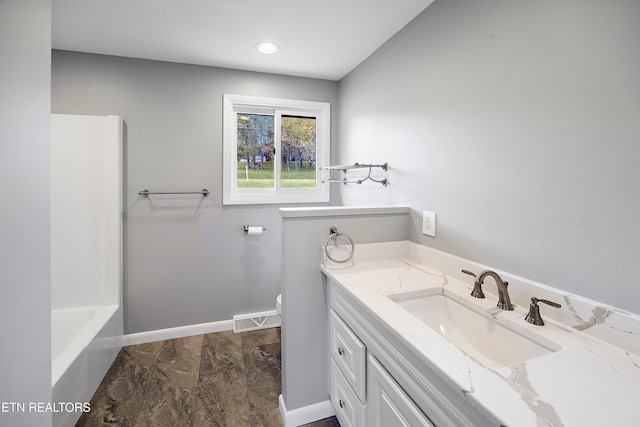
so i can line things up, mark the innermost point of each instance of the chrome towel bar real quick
(145, 193)
(345, 168)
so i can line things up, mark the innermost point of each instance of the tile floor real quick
(219, 380)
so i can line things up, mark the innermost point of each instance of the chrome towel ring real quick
(335, 234)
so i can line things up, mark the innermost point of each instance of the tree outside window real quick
(277, 147)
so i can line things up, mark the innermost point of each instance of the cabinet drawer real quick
(389, 405)
(349, 410)
(349, 354)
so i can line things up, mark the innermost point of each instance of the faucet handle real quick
(470, 273)
(535, 300)
(477, 286)
(533, 316)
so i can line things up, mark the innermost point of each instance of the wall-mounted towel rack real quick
(345, 168)
(145, 193)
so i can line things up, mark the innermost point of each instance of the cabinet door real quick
(388, 405)
(349, 353)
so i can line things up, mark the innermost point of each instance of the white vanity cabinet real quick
(376, 380)
(388, 404)
(348, 373)
(361, 389)
(349, 353)
(351, 412)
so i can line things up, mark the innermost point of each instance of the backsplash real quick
(607, 323)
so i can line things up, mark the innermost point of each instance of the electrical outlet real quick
(429, 223)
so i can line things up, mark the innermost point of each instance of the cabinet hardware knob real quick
(340, 351)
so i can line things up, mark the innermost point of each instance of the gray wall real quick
(519, 124)
(305, 359)
(25, 304)
(187, 260)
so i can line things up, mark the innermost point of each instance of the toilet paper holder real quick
(246, 228)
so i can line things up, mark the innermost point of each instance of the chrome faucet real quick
(504, 302)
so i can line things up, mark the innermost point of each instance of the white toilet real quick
(279, 304)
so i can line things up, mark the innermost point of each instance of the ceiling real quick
(321, 39)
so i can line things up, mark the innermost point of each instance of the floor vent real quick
(253, 321)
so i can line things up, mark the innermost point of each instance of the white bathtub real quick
(85, 341)
(86, 258)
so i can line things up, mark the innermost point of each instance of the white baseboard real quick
(178, 332)
(306, 414)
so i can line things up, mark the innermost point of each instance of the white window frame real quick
(234, 104)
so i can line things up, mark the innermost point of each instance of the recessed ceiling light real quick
(267, 48)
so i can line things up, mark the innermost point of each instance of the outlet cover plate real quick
(429, 223)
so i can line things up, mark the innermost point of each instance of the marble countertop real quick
(593, 379)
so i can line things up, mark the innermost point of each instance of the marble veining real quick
(469, 390)
(606, 323)
(214, 380)
(519, 380)
(598, 316)
(635, 360)
(590, 377)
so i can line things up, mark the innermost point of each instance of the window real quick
(273, 149)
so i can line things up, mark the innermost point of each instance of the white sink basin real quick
(490, 343)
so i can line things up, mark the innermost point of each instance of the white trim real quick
(177, 332)
(326, 211)
(306, 414)
(231, 195)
